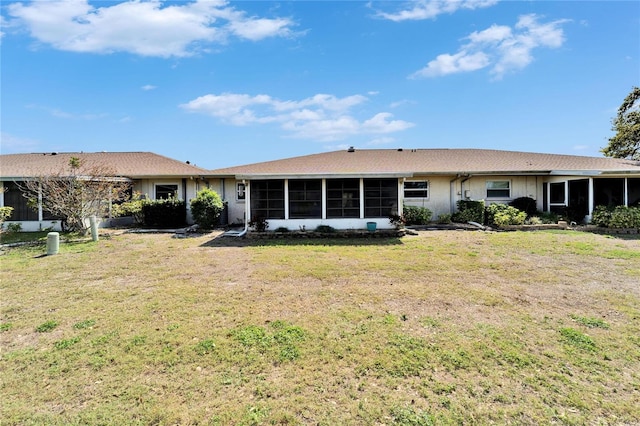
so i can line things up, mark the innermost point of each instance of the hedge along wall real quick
(171, 213)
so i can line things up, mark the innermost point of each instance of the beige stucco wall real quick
(439, 200)
(444, 192)
(521, 186)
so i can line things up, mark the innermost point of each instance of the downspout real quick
(184, 195)
(452, 194)
(462, 183)
(247, 205)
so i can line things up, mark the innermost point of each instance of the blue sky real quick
(227, 83)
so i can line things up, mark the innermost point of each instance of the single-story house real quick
(346, 189)
(152, 175)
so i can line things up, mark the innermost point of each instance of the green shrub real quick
(397, 221)
(469, 211)
(625, 217)
(5, 213)
(325, 229)
(416, 215)
(444, 218)
(132, 208)
(206, 208)
(548, 217)
(14, 227)
(601, 216)
(534, 220)
(259, 224)
(503, 214)
(167, 213)
(616, 217)
(525, 204)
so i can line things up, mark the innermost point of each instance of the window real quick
(380, 197)
(241, 194)
(416, 189)
(267, 199)
(557, 193)
(343, 198)
(13, 198)
(608, 192)
(633, 192)
(164, 192)
(557, 197)
(305, 199)
(498, 189)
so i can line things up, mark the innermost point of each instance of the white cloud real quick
(381, 141)
(450, 64)
(58, 113)
(148, 87)
(503, 49)
(13, 144)
(320, 117)
(430, 9)
(146, 28)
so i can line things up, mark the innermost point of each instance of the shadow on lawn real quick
(222, 241)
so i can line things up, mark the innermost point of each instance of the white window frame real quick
(157, 184)
(241, 192)
(487, 189)
(406, 191)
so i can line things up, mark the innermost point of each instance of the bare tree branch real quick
(76, 193)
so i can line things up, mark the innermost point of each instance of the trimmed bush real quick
(503, 214)
(132, 208)
(469, 211)
(525, 204)
(206, 208)
(548, 217)
(616, 217)
(601, 216)
(416, 215)
(444, 218)
(169, 213)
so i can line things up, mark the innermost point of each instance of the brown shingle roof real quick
(432, 161)
(127, 164)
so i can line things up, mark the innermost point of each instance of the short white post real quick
(53, 243)
(94, 227)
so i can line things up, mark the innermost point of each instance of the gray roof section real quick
(127, 164)
(413, 162)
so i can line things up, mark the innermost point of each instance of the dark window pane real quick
(608, 192)
(498, 189)
(164, 192)
(305, 198)
(381, 197)
(416, 189)
(13, 198)
(267, 199)
(556, 193)
(343, 198)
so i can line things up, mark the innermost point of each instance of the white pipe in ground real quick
(53, 243)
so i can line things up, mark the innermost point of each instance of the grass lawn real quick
(446, 327)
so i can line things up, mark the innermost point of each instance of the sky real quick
(222, 83)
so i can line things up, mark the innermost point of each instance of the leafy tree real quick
(5, 213)
(626, 142)
(76, 192)
(206, 208)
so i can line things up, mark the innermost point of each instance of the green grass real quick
(442, 328)
(39, 237)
